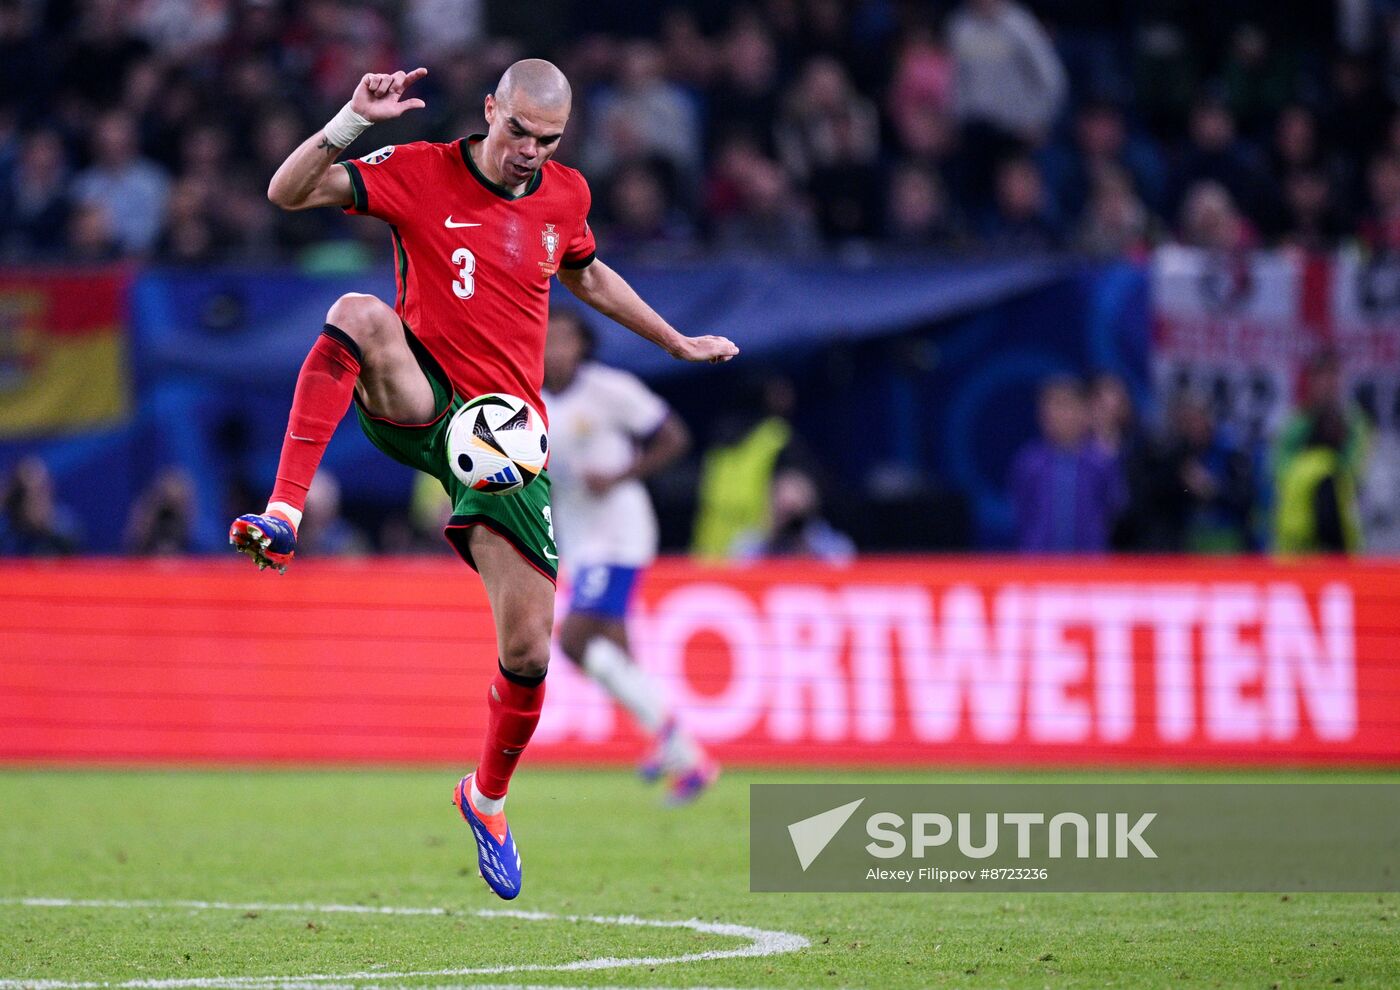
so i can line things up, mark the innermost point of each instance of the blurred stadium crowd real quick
(146, 130)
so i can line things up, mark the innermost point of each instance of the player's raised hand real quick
(707, 348)
(379, 94)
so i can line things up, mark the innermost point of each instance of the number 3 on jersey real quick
(465, 285)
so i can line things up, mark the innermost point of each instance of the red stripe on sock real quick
(514, 711)
(324, 388)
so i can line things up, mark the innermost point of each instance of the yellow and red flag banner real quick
(63, 351)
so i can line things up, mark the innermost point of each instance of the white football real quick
(496, 443)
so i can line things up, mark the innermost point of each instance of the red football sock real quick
(514, 703)
(324, 387)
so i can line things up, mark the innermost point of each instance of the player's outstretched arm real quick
(306, 178)
(608, 292)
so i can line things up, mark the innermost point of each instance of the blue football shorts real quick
(602, 590)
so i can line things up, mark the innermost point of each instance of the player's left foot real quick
(268, 537)
(496, 854)
(653, 767)
(689, 784)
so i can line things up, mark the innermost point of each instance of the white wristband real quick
(345, 127)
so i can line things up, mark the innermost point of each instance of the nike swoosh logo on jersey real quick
(551, 556)
(448, 223)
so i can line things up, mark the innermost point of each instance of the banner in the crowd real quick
(1240, 328)
(63, 361)
(1234, 329)
(927, 661)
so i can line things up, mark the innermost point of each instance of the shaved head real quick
(525, 119)
(537, 83)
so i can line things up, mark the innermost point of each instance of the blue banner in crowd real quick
(215, 356)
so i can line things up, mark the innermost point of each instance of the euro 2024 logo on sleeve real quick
(375, 157)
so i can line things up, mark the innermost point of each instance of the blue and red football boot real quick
(496, 854)
(269, 538)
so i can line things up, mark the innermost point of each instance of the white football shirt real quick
(595, 425)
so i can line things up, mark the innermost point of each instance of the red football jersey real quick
(473, 262)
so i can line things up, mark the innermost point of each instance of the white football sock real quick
(678, 751)
(293, 514)
(609, 665)
(485, 805)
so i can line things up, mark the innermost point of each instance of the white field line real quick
(762, 942)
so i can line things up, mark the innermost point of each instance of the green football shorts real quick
(521, 517)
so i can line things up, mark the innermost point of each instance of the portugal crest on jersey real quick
(550, 240)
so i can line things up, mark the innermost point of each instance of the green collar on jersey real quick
(499, 190)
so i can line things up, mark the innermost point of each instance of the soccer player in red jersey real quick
(480, 227)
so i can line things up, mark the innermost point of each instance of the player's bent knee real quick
(365, 318)
(526, 656)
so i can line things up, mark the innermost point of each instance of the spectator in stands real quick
(1322, 396)
(132, 191)
(181, 29)
(26, 60)
(161, 523)
(736, 473)
(1065, 491)
(34, 206)
(1295, 141)
(640, 218)
(1257, 78)
(919, 216)
(1210, 220)
(1359, 112)
(1023, 218)
(437, 29)
(1117, 433)
(1112, 424)
(1380, 487)
(920, 97)
(1316, 507)
(824, 121)
(1116, 223)
(829, 137)
(745, 98)
(1309, 216)
(1203, 484)
(1380, 227)
(1009, 78)
(795, 527)
(98, 54)
(32, 522)
(1216, 154)
(690, 58)
(192, 236)
(1101, 142)
(90, 238)
(752, 206)
(643, 114)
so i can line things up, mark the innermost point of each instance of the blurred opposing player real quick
(609, 432)
(480, 226)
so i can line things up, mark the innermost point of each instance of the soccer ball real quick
(496, 443)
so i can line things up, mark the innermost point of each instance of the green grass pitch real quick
(134, 849)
